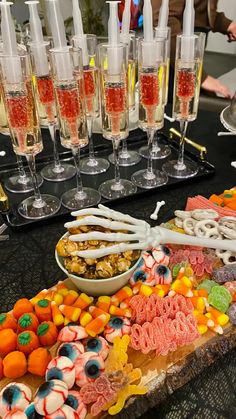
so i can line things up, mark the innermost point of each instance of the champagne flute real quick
(129, 157)
(113, 64)
(186, 98)
(69, 90)
(24, 128)
(90, 165)
(56, 171)
(161, 151)
(151, 107)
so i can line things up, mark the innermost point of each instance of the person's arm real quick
(221, 23)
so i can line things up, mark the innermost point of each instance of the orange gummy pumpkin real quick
(47, 333)
(1, 368)
(7, 321)
(8, 340)
(27, 342)
(43, 310)
(14, 365)
(27, 321)
(22, 306)
(38, 361)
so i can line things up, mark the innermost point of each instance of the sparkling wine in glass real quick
(151, 107)
(113, 63)
(186, 99)
(24, 128)
(92, 164)
(70, 100)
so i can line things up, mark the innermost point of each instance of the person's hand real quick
(232, 31)
(215, 86)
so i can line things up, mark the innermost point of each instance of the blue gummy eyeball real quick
(116, 322)
(165, 250)
(92, 369)
(72, 401)
(140, 275)
(162, 270)
(93, 345)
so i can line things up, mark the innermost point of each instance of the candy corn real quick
(145, 290)
(216, 328)
(121, 295)
(202, 329)
(63, 291)
(83, 301)
(116, 311)
(202, 319)
(180, 288)
(95, 311)
(70, 312)
(58, 298)
(221, 318)
(85, 318)
(104, 303)
(96, 326)
(57, 317)
(198, 303)
(125, 303)
(136, 288)
(70, 298)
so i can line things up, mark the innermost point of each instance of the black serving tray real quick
(102, 149)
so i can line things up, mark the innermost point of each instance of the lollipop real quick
(61, 368)
(117, 326)
(98, 345)
(50, 396)
(15, 396)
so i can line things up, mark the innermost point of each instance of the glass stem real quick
(90, 135)
(155, 145)
(115, 144)
(124, 152)
(79, 184)
(183, 129)
(23, 178)
(150, 133)
(57, 165)
(38, 201)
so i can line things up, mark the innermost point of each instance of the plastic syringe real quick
(63, 63)
(79, 38)
(187, 45)
(114, 56)
(38, 46)
(149, 49)
(162, 28)
(11, 64)
(124, 35)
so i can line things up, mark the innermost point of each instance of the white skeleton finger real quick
(110, 250)
(183, 214)
(110, 237)
(103, 211)
(188, 226)
(204, 214)
(106, 223)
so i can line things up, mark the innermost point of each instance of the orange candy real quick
(8, 341)
(70, 312)
(43, 310)
(1, 368)
(22, 306)
(14, 365)
(47, 333)
(27, 321)
(38, 361)
(27, 342)
(7, 321)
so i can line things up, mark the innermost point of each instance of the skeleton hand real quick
(140, 235)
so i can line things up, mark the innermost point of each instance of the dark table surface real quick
(27, 265)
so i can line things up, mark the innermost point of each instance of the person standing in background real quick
(206, 18)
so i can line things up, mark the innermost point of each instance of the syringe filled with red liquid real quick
(46, 96)
(89, 89)
(185, 89)
(149, 95)
(115, 104)
(69, 109)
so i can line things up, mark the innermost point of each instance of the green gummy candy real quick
(220, 298)
(207, 284)
(175, 270)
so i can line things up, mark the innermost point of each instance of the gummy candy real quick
(61, 368)
(88, 367)
(225, 274)
(15, 396)
(118, 357)
(220, 298)
(117, 326)
(207, 284)
(123, 395)
(98, 345)
(232, 313)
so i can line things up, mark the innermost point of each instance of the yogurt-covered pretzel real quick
(183, 214)
(227, 226)
(188, 226)
(207, 228)
(141, 236)
(227, 256)
(204, 214)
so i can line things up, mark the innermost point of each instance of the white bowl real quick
(97, 287)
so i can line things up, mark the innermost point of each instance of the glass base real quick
(14, 183)
(126, 159)
(93, 166)
(112, 190)
(160, 152)
(52, 175)
(74, 200)
(144, 179)
(33, 210)
(180, 172)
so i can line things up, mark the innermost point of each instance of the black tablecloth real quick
(27, 265)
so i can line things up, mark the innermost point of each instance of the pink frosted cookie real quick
(88, 367)
(61, 368)
(98, 345)
(50, 396)
(75, 401)
(72, 333)
(15, 396)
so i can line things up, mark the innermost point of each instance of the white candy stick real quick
(154, 215)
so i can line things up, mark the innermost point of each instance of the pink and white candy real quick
(61, 368)
(88, 367)
(15, 396)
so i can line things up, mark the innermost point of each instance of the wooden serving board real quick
(163, 374)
